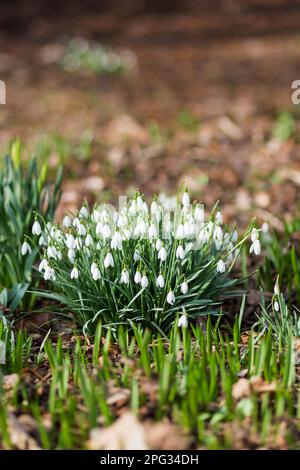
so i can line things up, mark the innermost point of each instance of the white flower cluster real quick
(139, 245)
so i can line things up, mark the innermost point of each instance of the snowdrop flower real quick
(276, 288)
(265, 227)
(36, 228)
(255, 247)
(137, 277)
(49, 274)
(74, 273)
(171, 297)
(234, 236)
(184, 287)
(81, 230)
(276, 306)
(67, 222)
(106, 231)
(76, 222)
(88, 240)
(96, 273)
(221, 268)
(84, 212)
(254, 235)
(218, 234)
(182, 321)
(180, 253)
(185, 199)
(180, 231)
(43, 265)
(42, 241)
(70, 241)
(199, 214)
(152, 232)
(125, 277)
(218, 245)
(162, 254)
(25, 249)
(116, 241)
(144, 281)
(160, 282)
(136, 255)
(158, 244)
(71, 255)
(93, 266)
(109, 261)
(77, 243)
(51, 251)
(219, 218)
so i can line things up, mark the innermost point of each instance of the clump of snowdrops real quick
(153, 265)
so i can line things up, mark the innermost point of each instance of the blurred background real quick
(150, 94)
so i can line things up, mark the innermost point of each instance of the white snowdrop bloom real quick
(218, 245)
(77, 243)
(51, 252)
(81, 230)
(186, 229)
(125, 277)
(199, 214)
(184, 287)
(36, 228)
(59, 236)
(132, 208)
(49, 274)
(171, 297)
(43, 265)
(160, 282)
(154, 207)
(93, 266)
(255, 247)
(186, 199)
(25, 248)
(221, 268)
(144, 281)
(96, 273)
(162, 254)
(84, 212)
(109, 261)
(182, 321)
(180, 253)
(71, 255)
(67, 221)
(158, 244)
(218, 234)
(152, 232)
(106, 231)
(180, 231)
(140, 229)
(254, 235)
(58, 254)
(137, 277)
(234, 236)
(276, 306)
(70, 241)
(219, 217)
(139, 203)
(127, 234)
(265, 227)
(74, 273)
(122, 221)
(76, 222)
(116, 241)
(42, 241)
(88, 240)
(95, 216)
(276, 289)
(136, 255)
(98, 229)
